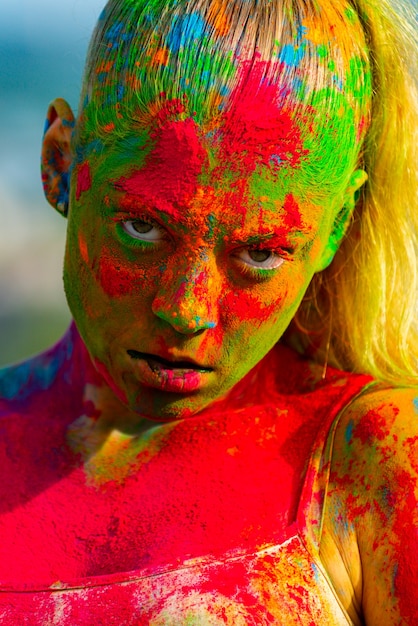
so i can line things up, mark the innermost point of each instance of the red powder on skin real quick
(292, 217)
(250, 308)
(405, 529)
(170, 110)
(411, 445)
(117, 278)
(171, 171)
(83, 179)
(371, 427)
(183, 497)
(355, 507)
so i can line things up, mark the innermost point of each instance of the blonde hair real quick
(360, 313)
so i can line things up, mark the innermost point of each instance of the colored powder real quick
(174, 186)
(118, 279)
(185, 30)
(292, 216)
(218, 18)
(83, 179)
(256, 128)
(292, 55)
(372, 426)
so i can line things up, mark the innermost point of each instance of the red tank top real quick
(214, 520)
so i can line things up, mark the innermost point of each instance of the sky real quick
(42, 49)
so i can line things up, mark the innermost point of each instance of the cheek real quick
(267, 302)
(117, 278)
(96, 274)
(250, 306)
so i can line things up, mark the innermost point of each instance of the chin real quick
(160, 406)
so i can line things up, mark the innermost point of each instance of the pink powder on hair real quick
(256, 128)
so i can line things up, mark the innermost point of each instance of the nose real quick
(188, 297)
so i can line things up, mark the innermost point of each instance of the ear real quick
(342, 221)
(56, 154)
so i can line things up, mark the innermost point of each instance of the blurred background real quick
(42, 49)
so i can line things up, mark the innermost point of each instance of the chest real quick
(207, 486)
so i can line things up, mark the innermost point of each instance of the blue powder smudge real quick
(185, 30)
(302, 31)
(211, 220)
(415, 403)
(275, 158)
(207, 324)
(316, 572)
(120, 92)
(13, 379)
(291, 56)
(115, 31)
(93, 147)
(349, 431)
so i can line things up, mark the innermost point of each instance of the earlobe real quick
(343, 218)
(56, 154)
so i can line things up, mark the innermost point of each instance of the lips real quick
(158, 361)
(176, 376)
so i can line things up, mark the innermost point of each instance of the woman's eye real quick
(145, 231)
(260, 258)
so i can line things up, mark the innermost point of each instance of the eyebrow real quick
(280, 236)
(136, 204)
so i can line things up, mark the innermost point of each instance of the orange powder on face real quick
(82, 246)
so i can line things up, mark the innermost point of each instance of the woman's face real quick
(188, 255)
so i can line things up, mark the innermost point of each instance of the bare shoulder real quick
(383, 417)
(373, 493)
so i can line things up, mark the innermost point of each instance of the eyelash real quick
(255, 272)
(131, 240)
(259, 272)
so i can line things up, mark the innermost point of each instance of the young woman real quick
(227, 432)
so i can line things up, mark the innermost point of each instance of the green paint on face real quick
(253, 144)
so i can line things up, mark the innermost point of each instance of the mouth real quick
(176, 376)
(156, 362)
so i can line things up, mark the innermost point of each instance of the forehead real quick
(257, 148)
(177, 91)
(247, 171)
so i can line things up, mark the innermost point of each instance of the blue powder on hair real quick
(185, 30)
(289, 55)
